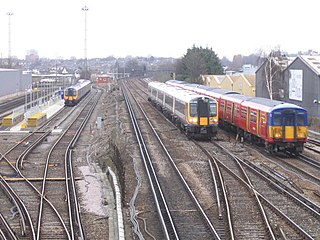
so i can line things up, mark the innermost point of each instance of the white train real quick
(196, 114)
(74, 93)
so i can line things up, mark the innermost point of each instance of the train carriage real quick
(280, 126)
(196, 114)
(74, 93)
(231, 113)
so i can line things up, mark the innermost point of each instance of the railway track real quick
(282, 222)
(313, 145)
(296, 215)
(29, 184)
(7, 106)
(188, 218)
(257, 226)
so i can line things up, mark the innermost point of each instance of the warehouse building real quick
(14, 81)
(295, 80)
(302, 83)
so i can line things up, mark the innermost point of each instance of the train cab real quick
(288, 128)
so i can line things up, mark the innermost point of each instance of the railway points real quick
(139, 215)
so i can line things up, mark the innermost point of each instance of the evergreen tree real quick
(198, 61)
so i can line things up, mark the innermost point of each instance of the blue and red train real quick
(278, 125)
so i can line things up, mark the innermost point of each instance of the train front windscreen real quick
(71, 92)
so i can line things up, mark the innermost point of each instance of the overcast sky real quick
(163, 28)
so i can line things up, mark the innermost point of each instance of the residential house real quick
(244, 84)
(227, 83)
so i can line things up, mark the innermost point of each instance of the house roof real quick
(217, 78)
(228, 77)
(312, 61)
(282, 61)
(250, 79)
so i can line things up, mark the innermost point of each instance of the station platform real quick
(49, 109)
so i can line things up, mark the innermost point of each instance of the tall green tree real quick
(198, 61)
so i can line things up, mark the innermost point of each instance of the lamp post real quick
(9, 38)
(85, 9)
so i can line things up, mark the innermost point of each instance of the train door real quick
(263, 125)
(233, 113)
(259, 123)
(222, 109)
(252, 121)
(203, 111)
(288, 126)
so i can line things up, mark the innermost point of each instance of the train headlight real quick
(277, 133)
(194, 120)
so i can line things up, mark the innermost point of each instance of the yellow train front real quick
(196, 114)
(74, 93)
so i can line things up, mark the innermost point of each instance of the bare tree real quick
(274, 63)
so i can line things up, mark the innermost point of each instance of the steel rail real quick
(161, 205)
(70, 235)
(22, 209)
(7, 232)
(69, 175)
(279, 187)
(204, 215)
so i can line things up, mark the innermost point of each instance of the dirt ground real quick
(100, 147)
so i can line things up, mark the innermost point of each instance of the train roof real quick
(177, 92)
(269, 105)
(200, 86)
(235, 97)
(80, 84)
(218, 90)
(175, 81)
(264, 104)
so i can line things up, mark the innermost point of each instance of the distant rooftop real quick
(312, 61)
(7, 69)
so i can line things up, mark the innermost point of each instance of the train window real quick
(288, 120)
(213, 109)
(277, 119)
(179, 107)
(169, 100)
(203, 107)
(193, 108)
(244, 113)
(253, 116)
(71, 92)
(301, 119)
(229, 107)
(154, 92)
(222, 104)
(160, 95)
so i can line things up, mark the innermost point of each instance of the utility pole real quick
(9, 38)
(85, 9)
